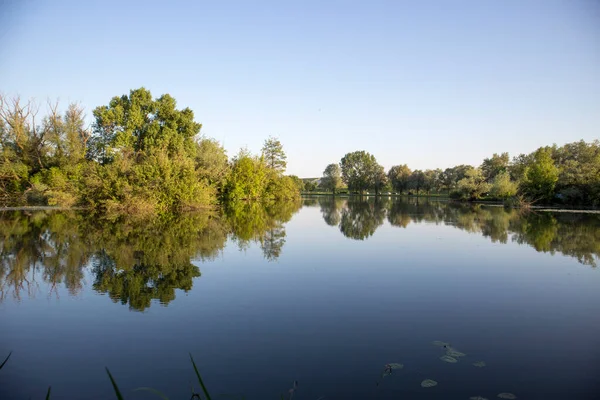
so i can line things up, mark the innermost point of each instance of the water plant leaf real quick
(114, 384)
(395, 365)
(48, 394)
(151, 390)
(440, 343)
(479, 364)
(508, 396)
(199, 378)
(427, 383)
(5, 360)
(453, 352)
(448, 359)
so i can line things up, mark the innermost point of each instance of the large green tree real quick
(358, 170)
(147, 149)
(494, 165)
(473, 186)
(332, 178)
(417, 180)
(399, 177)
(540, 176)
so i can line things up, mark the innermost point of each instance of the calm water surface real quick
(323, 292)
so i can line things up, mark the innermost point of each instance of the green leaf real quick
(151, 390)
(5, 360)
(199, 378)
(48, 394)
(117, 391)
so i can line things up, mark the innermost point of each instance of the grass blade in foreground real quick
(117, 391)
(48, 394)
(5, 360)
(199, 378)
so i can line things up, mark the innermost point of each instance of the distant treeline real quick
(568, 175)
(141, 155)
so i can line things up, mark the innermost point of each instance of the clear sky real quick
(427, 83)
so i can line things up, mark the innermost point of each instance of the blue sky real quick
(427, 83)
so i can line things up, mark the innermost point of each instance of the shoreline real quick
(489, 203)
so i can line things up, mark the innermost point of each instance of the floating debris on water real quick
(479, 364)
(448, 359)
(429, 383)
(440, 344)
(477, 398)
(509, 396)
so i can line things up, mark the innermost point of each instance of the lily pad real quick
(440, 344)
(509, 396)
(448, 359)
(428, 383)
(477, 398)
(395, 365)
(479, 364)
(453, 352)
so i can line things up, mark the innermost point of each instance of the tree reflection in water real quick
(133, 261)
(138, 261)
(573, 234)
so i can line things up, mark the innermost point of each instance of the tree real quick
(212, 162)
(358, 170)
(430, 179)
(379, 178)
(541, 175)
(310, 185)
(332, 178)
(248, 178)
(399, 177)
(450, 177)
(274, 155)
(494, 166)
(147, 152)
(579, 176)
(298, 182)
(473, 185)
(503, 187)
(417, 180)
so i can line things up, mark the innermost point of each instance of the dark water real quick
(324, 292)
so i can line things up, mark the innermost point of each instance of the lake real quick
(323, 292)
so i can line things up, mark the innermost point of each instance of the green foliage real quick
(310, 185)
(212, 163)
(274, 155)
(495, 165)
(360, 171)
(332, 178)
(540, 176)
(431, 180)
(416, 180)
(473, 186)
(399, 177)
(579, 173)
(248, 178)
(503, 187)
(150, 160)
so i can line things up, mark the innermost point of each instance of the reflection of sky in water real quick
(330, 312)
